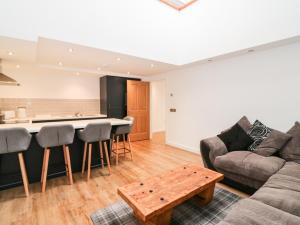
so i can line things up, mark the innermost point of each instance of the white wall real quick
(211, 97)
(157, 106)
(39, 82)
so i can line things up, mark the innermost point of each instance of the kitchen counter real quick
(10, 174)
(77, 124)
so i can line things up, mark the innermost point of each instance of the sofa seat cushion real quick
(249, 164)
(283, 199)
(291, 169)
(252, 212)
(283, 182)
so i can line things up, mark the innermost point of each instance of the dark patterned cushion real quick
(258, 132)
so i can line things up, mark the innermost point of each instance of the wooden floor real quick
(65, 204)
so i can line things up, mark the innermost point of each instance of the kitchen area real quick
(118, 99)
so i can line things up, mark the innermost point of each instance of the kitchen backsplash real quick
(54, 107)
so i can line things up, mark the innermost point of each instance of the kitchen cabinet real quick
(113, 96)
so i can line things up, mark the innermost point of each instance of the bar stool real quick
(125, 131)
(95, 132)
(56, 136)
(16, 140)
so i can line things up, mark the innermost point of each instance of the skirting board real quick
(183, 147)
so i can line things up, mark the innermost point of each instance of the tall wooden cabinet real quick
(113, 96)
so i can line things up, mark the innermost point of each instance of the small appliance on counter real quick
(10, 116)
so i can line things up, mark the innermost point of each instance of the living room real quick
(150, 112)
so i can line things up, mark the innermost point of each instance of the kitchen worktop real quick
(77, 124)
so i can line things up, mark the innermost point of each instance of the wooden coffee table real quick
(153, 199)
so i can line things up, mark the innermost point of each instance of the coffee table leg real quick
(206, 196)
(162, 219)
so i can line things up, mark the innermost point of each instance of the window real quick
(178, 4)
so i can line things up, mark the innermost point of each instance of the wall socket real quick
(172, 110)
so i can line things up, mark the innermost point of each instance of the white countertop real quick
(78, 124)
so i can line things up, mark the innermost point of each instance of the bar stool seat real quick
(16, 140)
(56, 136)
(95, 132)
(124, 131)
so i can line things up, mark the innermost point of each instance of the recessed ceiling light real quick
(60, 63)
(18, 66)
(77, 73)
(10, 53)
(118, 59)
(152, 65)
(71, 50)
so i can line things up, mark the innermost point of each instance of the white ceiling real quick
(143, 31)
(76, 58)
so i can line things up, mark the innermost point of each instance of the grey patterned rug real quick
(186, 214)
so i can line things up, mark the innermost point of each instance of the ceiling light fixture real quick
(60, 63)
(77, 73)
(178, 4)
(10, 53)
(70, 50)
(18, 66)
(118, 59)
(152, 65)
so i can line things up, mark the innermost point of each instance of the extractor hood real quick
(6, 80)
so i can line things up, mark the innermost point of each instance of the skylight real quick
(178, 4)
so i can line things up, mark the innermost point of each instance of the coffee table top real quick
(160, 193)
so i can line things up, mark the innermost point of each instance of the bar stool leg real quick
(45, 169)
(44, 159)
(84, 157)
(124, 145)
(24, 173)
(129, 143)
(89, 162)
(107, 157)
(117, 150)
(67, 150)
(65, 158)
(101, 154)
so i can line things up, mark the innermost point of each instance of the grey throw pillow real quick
(291, 152)
(258, 132)
(273, 143)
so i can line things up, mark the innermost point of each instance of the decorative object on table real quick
(187, 213)
(273, 143)
(153, 199)
(123, 131)
(258, 132)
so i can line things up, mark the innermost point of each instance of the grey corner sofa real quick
(275, 181)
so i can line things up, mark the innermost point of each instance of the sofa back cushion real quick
(291, 152)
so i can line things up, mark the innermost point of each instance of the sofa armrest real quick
(210, 148)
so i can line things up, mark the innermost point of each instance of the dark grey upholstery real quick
(124, 129)
(251, 212)
(58, 135)
(95, 132)
(249, 165)
(14, 140)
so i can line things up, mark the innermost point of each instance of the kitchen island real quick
(10, 174)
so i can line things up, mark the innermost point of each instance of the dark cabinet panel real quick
(113, 96)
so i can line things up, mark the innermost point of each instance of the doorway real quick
(158, 111)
